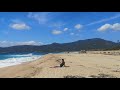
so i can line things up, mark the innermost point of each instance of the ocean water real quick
(14, 59)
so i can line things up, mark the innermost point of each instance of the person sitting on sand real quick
(63, 63)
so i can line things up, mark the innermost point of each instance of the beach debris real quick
(117, 70)
(101, 75)
(76, 76)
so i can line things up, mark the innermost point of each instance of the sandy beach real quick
(79, 65)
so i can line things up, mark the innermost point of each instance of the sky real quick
(40, 28)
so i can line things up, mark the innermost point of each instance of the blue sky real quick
(38, 28)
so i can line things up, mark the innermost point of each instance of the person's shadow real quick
(59, 67)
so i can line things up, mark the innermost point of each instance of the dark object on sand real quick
(102, 75)
(70, 76)
(63, 63)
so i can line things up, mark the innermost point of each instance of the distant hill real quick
(88, 44)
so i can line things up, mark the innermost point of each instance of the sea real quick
(14, 59)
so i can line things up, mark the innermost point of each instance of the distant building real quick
(82, 51)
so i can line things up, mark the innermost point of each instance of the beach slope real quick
(77, 65)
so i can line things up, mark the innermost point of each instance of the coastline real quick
(20, 60)
(79, 65)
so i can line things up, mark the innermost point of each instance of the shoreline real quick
(17, 61)
(77, 65)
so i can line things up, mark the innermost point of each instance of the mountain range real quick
(88, 44)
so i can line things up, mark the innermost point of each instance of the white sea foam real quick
(15, 61)
(23, 55)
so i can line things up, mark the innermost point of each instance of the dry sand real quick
(82, 65)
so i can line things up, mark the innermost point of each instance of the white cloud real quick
(8, 43)
(41, 17)
(29, 43)
(104, 20)
(105, 27)
(20, 26)
(71, 33)
(56, 32)
(116, 26)
(65, 29)
(78, 26)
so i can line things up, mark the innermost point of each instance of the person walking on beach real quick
(63, 63)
